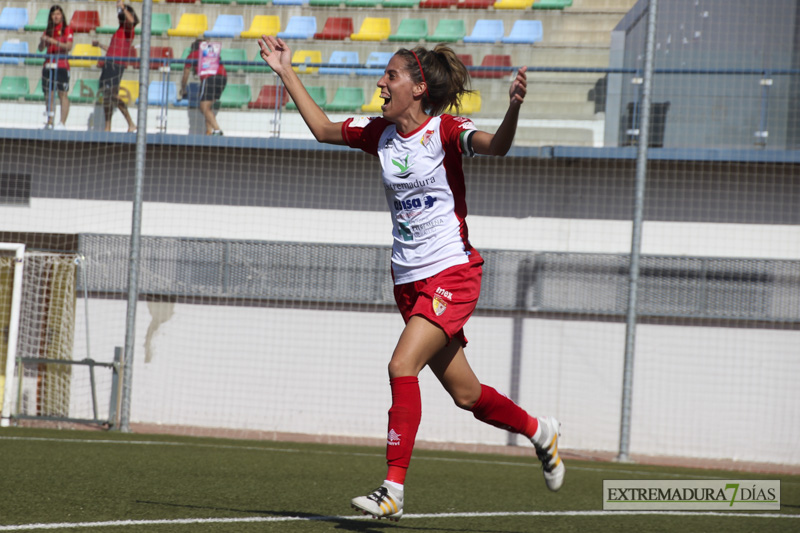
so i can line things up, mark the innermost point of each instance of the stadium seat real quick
(13, 18)
(513, 4)
(14, 46)
(226, 26)
(253, 2)
(299, 27)
(270, 97)
(235, 95)
(493, 60)
(470, 104)
(179, 66)
(37, 95)
(362, 3)
(192, 96)
(236, 55)
(551, 4)
(260, 65)
(375, 103)
(84, 21)
(410, 30)
(486, 31)
(162, 93)
(128, 91)
(36, 61)
(325, 3)
(524, 32)
(83, 49)
(85, 91)
(302, 58)
(160, 23)
(190, 25)
(40, 22)
(336, 29)
(180, 1)
(289, 2)
(342, 57)
(448, 31)
(466, 59)
(475, 4)
(14, 87)
(160, 52)
(346, 99)
(223, 2)
(437, 4)
(318, 94)
(375, 64)
(373, 29)
(408, 4)
(262, 25)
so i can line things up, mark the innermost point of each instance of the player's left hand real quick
(519, 87)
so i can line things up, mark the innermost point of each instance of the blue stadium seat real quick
(299, 28)
(13, 18)
(14, 47)
(226, 26)
(525, 32)
(486, 31)
(155, 93)
(342, 57)
(376, 63)
(192, 97)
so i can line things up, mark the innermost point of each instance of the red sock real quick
(499, 411)
(404, 417)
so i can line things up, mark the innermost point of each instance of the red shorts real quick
(447, 299)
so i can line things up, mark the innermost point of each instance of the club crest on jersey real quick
(426, 137)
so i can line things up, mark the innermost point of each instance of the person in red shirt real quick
(213, 80)
(57, 40)
(121, 46)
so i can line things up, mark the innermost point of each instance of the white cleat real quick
(547, 450)
(383, 502)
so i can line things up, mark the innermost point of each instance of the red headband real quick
(421, 73)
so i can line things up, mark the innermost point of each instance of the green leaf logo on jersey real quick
(403, 165)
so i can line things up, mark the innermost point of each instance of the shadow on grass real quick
(358, 523)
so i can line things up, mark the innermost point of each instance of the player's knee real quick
(464, 401)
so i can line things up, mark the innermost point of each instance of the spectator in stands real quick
(435, 269)
(213, 80)
(56, 40)
(121, 46)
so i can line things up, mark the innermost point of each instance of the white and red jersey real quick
(424, 184)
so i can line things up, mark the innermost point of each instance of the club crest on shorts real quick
(439, 305)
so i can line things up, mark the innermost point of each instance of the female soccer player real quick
(121, 45)
(57, 40)
(213, 80)
(436, 270)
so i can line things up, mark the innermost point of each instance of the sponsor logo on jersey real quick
(445, 294)
(403, 167)
(393, 439)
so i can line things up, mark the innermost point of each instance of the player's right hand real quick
(276, 53)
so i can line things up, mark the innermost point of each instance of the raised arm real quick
(279, 57)
(500, 142)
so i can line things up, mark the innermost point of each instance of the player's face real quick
(397, 89)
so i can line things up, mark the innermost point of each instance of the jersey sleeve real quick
(363, 133)
(456, 134)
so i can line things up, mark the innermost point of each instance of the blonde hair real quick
(444, 74)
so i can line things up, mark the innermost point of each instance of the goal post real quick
(7, 379)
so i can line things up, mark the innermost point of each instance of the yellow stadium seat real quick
(128, 91)
(374, 105)
(373, 29)
(306, 56)
(83, 49)
(513, 4)
(470, 104)
(190, 25)
(262, 25)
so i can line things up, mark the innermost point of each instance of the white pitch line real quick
(268, 519)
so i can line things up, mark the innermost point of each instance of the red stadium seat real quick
(180, 1)
(84, 21)
(336, 29)
(268, 97)
(466, 59)
(493, 60)
(475, 4)
(437, 4)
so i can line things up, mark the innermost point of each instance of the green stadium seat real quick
(37, 95)
(85, 91)
(362, 3)
(160, 23)
(318, 94)
(346, 99)
(408, 4)
(180, 66)
(551, 4)
(448, 31)
(253, 2)
(14, 87)
(217, 2)
(236, 95)
(233, 54)
(411, 30)
(35, 61)
(260, 67)
(325, 3)
(40, 22)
